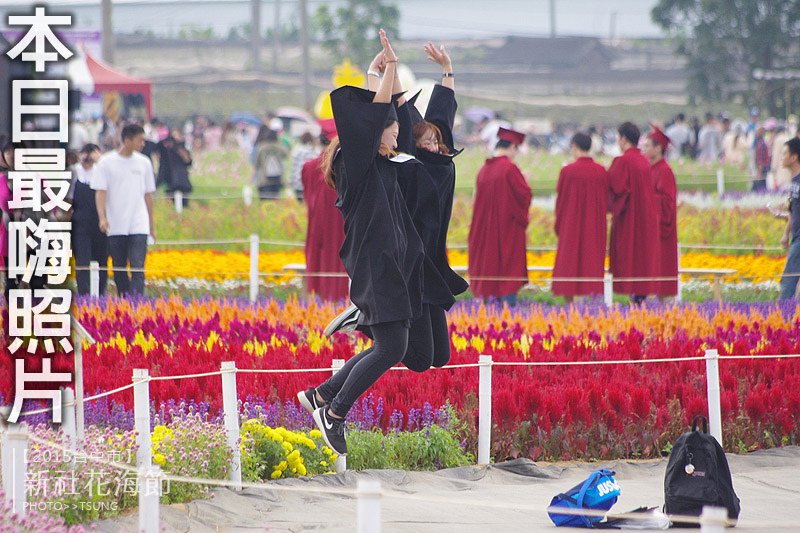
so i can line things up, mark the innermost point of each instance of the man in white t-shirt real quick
(125, 184)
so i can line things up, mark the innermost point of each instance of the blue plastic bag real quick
(599, 492)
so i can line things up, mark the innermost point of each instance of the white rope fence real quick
(15, 438)
(247, 195)
(254, 275)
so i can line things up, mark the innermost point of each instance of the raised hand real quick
(378, 63)
(438, 56)
(388, 53)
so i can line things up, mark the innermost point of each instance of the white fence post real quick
(15, 466)
(80, 420)
(178, 202)
(608, 289)
(484, 408)
(141, 416)
(149, 486)
(369, 506)
(230, 406)
(713, 519)
(253, 267)
(94, 279)
(341, 461)
(68, 421)
(712, 383)
(247, 195)
(720, 181)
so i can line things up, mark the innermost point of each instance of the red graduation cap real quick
(514, 137)
(328, 128)
(658, 136)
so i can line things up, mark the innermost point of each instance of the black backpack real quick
(698, 475)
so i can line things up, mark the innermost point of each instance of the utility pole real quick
(276, 36)
(107, 31)
(552, 19)
(612, 29)
(306, 61)
(255, 34)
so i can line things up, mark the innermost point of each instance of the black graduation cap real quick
(416, 116)
(357, 94)
(392, 117)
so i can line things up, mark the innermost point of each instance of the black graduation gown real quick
(441, 172)
(422, 199)
(172, 170)
(84, 210)
(382, 251)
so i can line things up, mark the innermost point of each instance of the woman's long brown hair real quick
(327, 162)
(330, 153)
(421, 128)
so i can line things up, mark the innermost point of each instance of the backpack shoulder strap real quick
(592, 479)
(703, 421)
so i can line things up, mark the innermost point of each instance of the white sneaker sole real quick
(301, 397)
(348, 317)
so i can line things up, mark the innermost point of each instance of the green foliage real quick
(269, 453)
(431, 448)
(352, 30)
(196, 33)
(725, 40)
(193, 447)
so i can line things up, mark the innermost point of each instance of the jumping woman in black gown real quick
(428, 186)
(382, 251)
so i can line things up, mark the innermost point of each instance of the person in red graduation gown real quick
(635, 217)
(325, 233)
(666, 192)
(581, 205)
(499, 220)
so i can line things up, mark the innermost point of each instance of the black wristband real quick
(448, 75)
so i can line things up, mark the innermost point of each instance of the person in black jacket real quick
(174, 161)
(382, 251)
(88, 242)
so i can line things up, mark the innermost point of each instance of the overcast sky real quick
(419, 18)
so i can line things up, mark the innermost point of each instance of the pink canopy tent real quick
(107, 79)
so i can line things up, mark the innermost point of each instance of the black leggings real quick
(361, 371)
(428, 340)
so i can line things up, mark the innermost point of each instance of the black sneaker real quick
(346, 321)
(332, 430)
(308, 399)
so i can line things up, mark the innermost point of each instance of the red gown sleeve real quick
(620, 185)
(559, 202)
(521, 195)
(667, 193)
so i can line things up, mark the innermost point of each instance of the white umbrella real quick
(78, 73)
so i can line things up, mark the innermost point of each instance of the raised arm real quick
(384, 92)
(441, 58)
(374, 72)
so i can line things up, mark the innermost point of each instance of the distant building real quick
(553, 54)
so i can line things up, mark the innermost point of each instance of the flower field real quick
(229, 270)
(576, 412)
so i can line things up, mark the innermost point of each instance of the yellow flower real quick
(315, 434)
(159, 459)
(276, 474)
